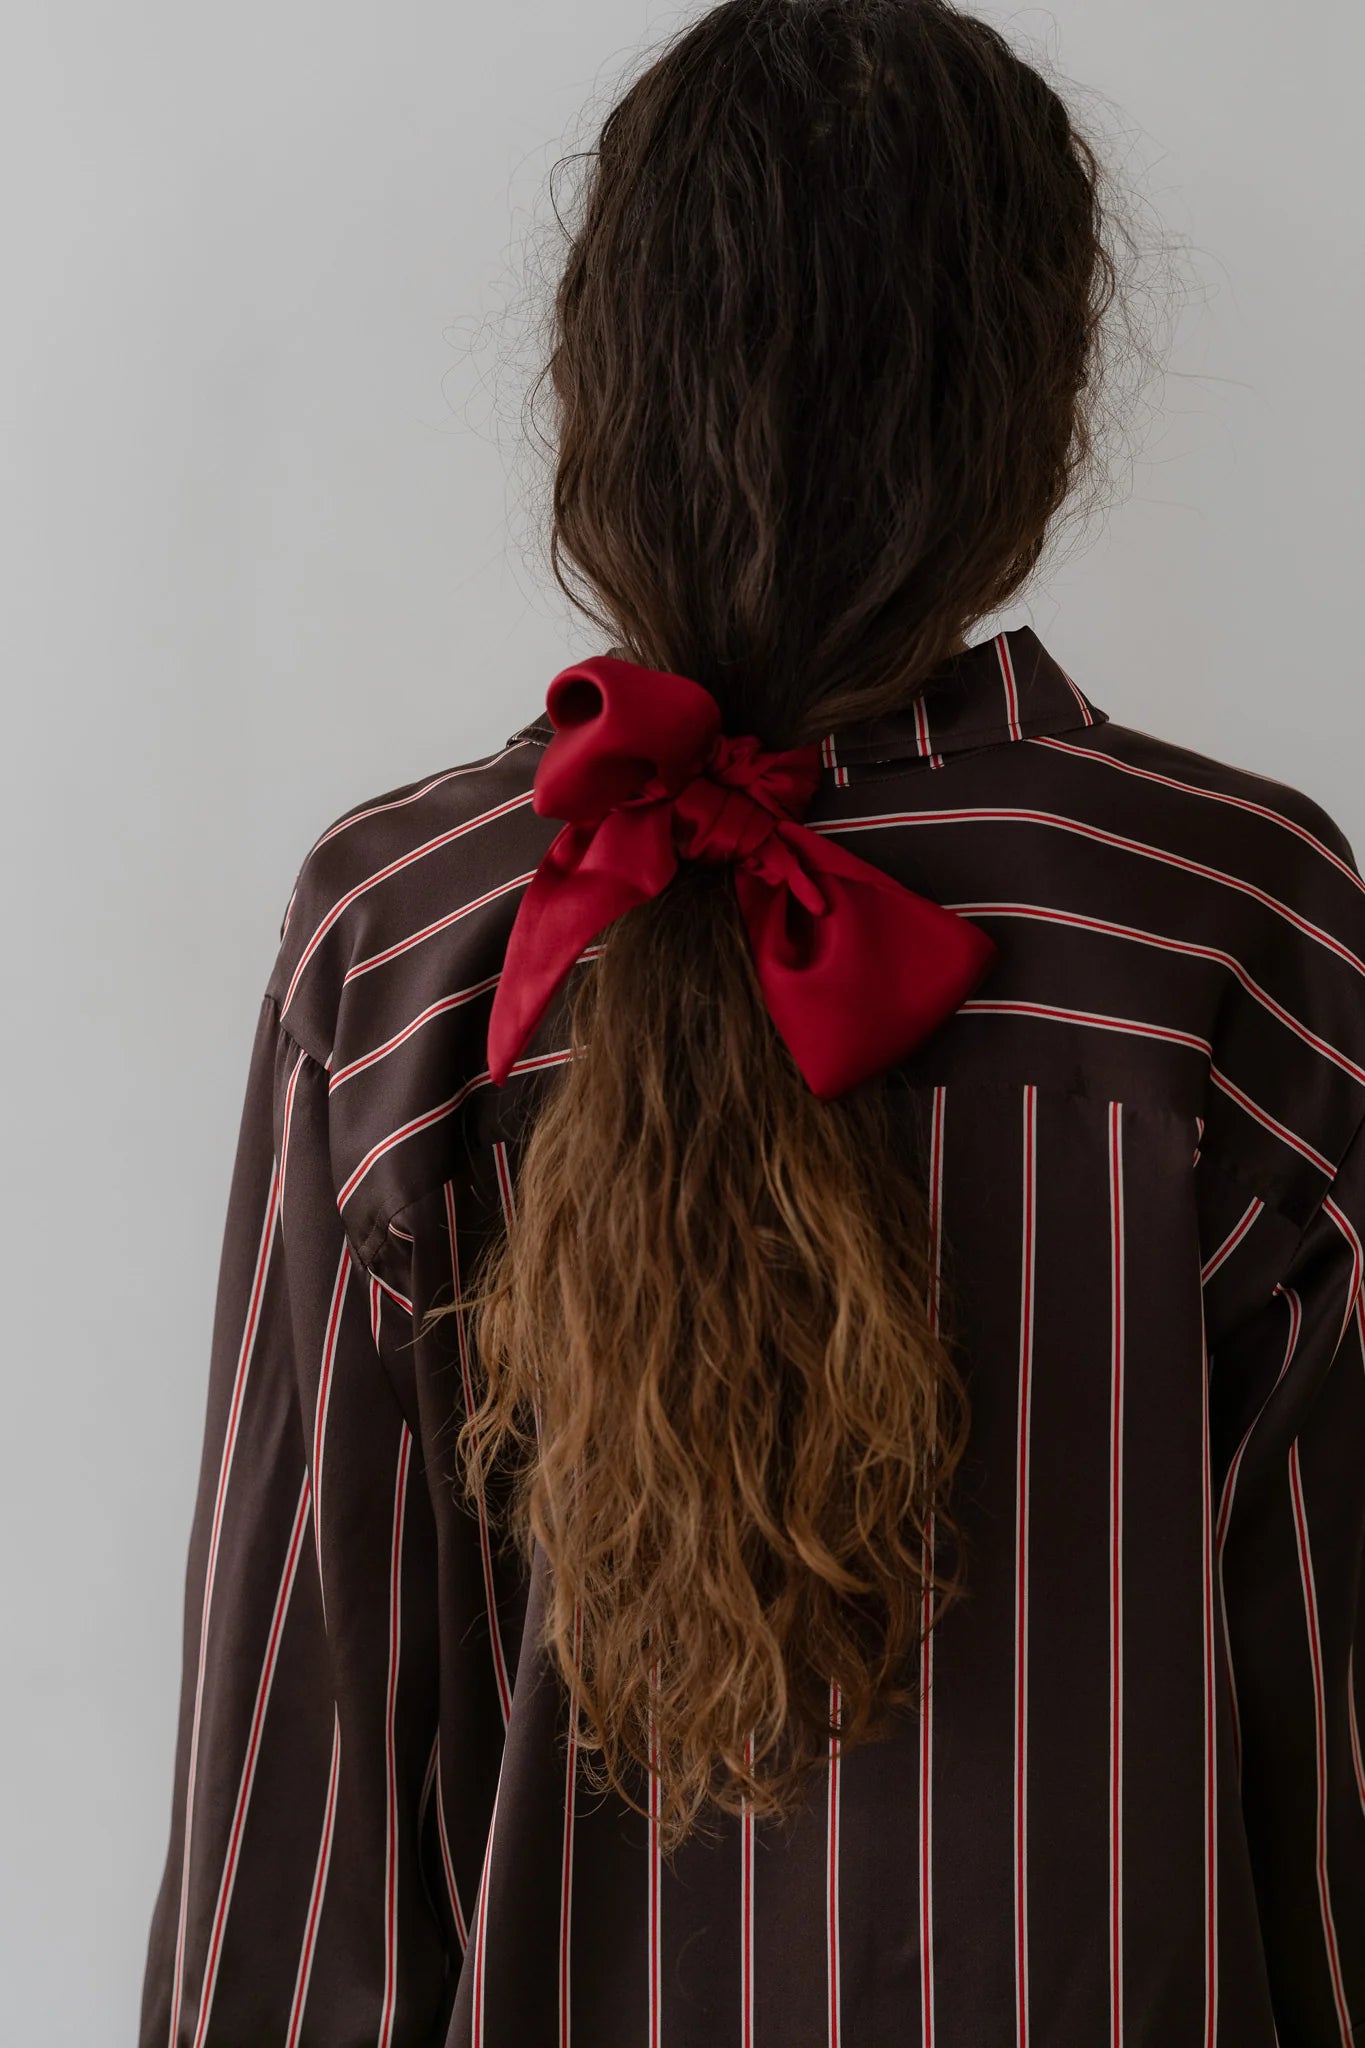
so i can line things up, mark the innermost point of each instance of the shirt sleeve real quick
(1287, 1393)
(294, 1907)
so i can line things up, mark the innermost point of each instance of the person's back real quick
(1055, 1321)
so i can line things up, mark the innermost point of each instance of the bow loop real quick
(855, 968)
(613, 744)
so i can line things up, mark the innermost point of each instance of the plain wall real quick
(261, 559)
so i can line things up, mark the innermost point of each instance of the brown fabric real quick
(1134, 1808)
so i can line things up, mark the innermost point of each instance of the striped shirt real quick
(1132, 1807)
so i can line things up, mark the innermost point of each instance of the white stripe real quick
(500, 1677)
(926, 1699)
(319, 1890)
(1118, 1350)
(1056, 1013)
(1027, 1268)
(1007, 677)
(833, 1966)
(399, 947)
(1291, 1299)
(424, 1121)
(322, 1408)
(567, 1851)
(415, 796)
(390, 2000)
(447, 1860)
(240, 1375)
(1357, 1759)
(1087, 714)
(1349, 1232)
(432, 1010)
(746, 1914)
(233, 1852)
(1217, 796)
(1231, 1241)
(1211, 1965)
(286, 1129)
(394, 867)
(655, 1882)
(1187, 948)
(1310, 1608)
(1053, 820)
(481, 1920)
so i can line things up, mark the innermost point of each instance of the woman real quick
(784, 1444)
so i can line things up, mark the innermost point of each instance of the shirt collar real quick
(1006, 688)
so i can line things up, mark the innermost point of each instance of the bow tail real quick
(853, 989)
(587, 877)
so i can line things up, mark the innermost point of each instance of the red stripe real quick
(1057, 1014)
(507, 1200)
(310, 1929)
(1357, 1761)
(485, 1540)
(1349, 1232)
(1210, 1721)
(505, 1191)
(746, 1915)
(401, 803)
(424, 1803)
(926, 1794)
(922, 738)
(1187, 948)
(253, 1751)
(476, 2035)
(1087, 715)
(1217, 796)
(287, 1123)
(655, 1881)
(1016, 815)
(1027, 1261)
(926, 1667)
(441, 1009)
(1310, 1608)
(566, 1854)
(447, 1108)
(398, 1300)
(1272, 1123)
(1231, 1241)
(1117, 1337)
(326, 1375)
(447, 1861)
(395, 867)
(234, 1418)
(430, 931)
(832, 1871)
(1002, 648)
(1225, 1509)
(386, 2019)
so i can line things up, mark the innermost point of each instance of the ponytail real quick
(709, 1357)
(824, 367)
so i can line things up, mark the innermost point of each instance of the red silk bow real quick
(855, 968)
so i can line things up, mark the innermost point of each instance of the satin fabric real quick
(855, 968)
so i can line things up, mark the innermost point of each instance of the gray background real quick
(264, 267)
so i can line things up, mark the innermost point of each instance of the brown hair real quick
(823, 372)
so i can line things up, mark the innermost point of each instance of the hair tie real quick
(855, 968)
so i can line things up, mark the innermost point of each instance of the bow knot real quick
(734, 808)
(855, 968)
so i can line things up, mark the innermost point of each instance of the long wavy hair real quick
(823, 370)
